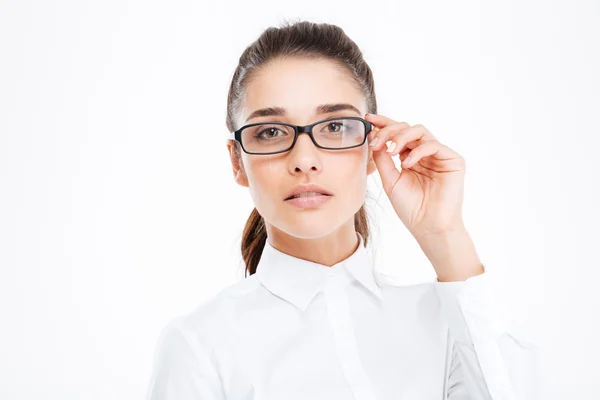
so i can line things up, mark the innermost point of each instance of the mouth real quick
(307, 194)
(308, 200)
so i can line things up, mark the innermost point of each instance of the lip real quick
(309, 201)
(307, 188)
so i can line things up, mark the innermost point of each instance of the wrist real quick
(452, 254)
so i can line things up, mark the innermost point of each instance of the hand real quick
(427, 193)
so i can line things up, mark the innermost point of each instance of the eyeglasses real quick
(277, 137)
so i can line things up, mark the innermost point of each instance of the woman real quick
(314, 319)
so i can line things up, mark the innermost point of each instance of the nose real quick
(304, 156)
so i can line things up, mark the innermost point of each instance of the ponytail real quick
(253, 240)
(255, 236)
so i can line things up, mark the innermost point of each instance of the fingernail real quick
(406, 161)
(374, 142)
(392, 147)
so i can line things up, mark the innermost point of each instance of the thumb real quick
(387, 169)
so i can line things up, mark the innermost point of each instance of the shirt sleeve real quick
(488, 359)
(182, 369)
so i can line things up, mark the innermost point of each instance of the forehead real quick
(299, 85)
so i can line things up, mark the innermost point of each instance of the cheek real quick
(353, 164)
(349, 173)
(263, 177)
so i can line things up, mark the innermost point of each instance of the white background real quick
(118, 208)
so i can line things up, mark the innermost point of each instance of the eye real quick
(339, 124)
(260, 135)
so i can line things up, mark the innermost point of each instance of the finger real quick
(379, 120)
(430, 148)
(387, 169)
(372, 135)
(414, 133)
(408, 147)
(386, 134)
(415, 167)
(406, 151)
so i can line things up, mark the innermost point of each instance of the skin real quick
(426, 192)
(326, 234)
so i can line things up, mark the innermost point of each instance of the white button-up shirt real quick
(300, 330)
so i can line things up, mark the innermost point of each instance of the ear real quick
(239, 173)
(371, 166)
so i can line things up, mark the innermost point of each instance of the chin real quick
(307, 225)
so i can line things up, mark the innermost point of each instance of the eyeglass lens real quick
(333, 134)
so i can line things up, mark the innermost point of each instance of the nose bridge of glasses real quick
(305, 128)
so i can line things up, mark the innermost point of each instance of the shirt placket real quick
(338, 312)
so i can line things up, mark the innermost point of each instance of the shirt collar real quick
(298, 281)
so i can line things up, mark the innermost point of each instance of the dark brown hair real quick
(299, 39)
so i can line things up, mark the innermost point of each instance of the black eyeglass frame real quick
(298, 129)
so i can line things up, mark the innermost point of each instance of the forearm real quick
(452, 255)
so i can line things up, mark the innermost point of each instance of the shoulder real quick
(395, 285)
(396, 291)
(214, 316)
(190, 346)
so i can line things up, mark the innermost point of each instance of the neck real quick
(327, 250)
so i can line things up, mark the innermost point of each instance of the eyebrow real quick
(322, 109)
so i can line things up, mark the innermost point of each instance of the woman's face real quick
(300, 86)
